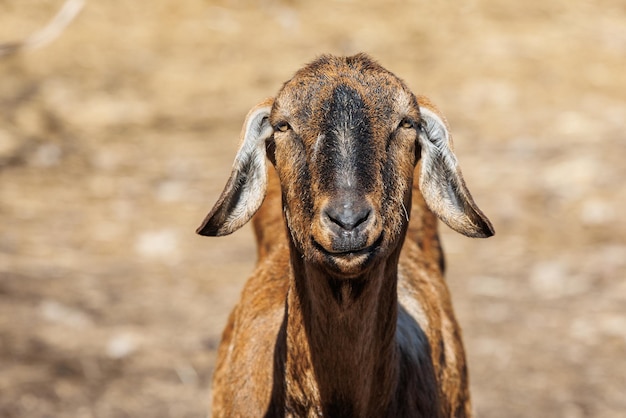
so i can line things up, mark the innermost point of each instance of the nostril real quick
(347, 217)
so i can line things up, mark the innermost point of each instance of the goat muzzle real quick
(348, 226)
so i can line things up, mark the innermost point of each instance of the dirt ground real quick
(116, 139)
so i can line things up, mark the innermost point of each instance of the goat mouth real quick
(349, 253)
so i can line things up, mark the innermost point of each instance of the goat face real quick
(345, 135)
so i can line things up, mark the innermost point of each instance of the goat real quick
(347, 313)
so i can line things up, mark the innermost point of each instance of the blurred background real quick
(117, 137)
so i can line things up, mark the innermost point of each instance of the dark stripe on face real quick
(346, 151)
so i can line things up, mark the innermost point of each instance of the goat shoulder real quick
(246, 356)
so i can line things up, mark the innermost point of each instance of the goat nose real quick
(347, 215)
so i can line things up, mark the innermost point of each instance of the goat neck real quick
(341, 351)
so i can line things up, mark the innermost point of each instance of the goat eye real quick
(407, 123)
(282, 126)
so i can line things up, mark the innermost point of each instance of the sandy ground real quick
(116, 139)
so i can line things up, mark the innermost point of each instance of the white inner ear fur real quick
(434, 182)
(441, 181)
(245, 190)
(255, 132)
(434, 135)
(254, 177)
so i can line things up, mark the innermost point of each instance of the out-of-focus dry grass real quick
(116, 139)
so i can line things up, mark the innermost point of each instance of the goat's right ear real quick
(245, 190)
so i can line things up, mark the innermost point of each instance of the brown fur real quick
(364, 333)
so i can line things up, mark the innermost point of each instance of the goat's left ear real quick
(440, 179)
(245, 190)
